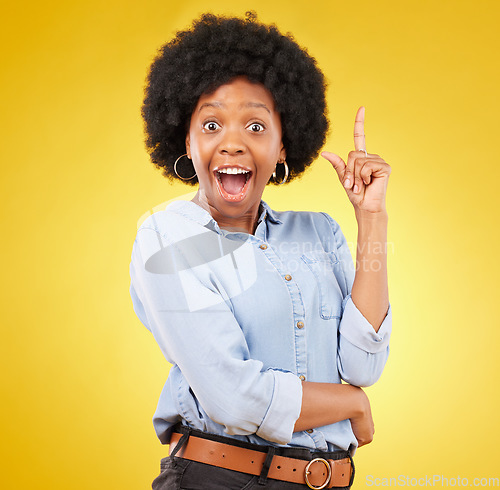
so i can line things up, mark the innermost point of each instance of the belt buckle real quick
(307, 473)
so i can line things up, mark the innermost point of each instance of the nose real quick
(232, 142)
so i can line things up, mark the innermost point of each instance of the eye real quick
(256, 127)
(211, 126)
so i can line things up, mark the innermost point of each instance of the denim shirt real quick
(244, 319)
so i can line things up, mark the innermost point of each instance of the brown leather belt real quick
(318, 473)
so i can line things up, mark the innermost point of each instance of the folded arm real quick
(210, 349)
(327, 403)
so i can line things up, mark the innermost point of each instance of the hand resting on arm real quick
(327, 403)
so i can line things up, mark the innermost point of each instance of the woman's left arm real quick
(365, 178)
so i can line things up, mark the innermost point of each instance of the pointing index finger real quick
(359, 130)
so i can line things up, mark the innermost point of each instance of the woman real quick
(260, 312)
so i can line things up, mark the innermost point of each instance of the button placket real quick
(298, 310)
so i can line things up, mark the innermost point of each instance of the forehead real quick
(239, 92)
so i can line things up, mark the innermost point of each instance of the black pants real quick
(183, 474)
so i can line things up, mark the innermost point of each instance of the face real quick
(234, 141)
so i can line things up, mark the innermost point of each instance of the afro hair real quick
(214, 51)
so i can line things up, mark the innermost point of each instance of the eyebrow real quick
(219, 105)
(210, 104)
(258, 104)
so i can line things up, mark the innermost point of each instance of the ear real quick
(282, 156)
(188, 146)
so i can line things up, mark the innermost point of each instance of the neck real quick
(243, 223)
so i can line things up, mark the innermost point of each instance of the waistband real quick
(317, 470)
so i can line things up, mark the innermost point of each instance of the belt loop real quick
(267, 464)
(181, 442)
(353, 469)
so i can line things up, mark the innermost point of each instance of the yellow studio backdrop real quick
(81, 375)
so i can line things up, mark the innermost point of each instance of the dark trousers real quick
(183, 474)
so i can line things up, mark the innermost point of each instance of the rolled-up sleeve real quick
(362, 352)
(283, 410)
(207, 344)
(358, 331)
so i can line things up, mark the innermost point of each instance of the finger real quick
(365, 168)
(365, 173)
(359, 130)
(337, 163)
(349, 176)
(359, 181)
(374, 168)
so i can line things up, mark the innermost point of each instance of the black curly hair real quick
(215, 50)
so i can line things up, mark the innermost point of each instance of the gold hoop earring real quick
(175, 168)
(286, 172)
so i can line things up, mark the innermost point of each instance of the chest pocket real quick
(326, 269)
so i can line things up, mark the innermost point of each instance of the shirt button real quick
(309, 431)
(288, 277)
(300, 324)
(302, 377)
(263, 246)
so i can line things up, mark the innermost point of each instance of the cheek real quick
(271, 151)
(199, 150)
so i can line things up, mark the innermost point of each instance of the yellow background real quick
(80, 374)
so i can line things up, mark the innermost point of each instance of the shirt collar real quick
(266, 210)
(191, 210)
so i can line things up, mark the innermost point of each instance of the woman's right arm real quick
(186, 311)
(327, 403)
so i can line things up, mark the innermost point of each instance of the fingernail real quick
(347, 183)
(356, 188)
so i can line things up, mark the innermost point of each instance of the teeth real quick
(232, 171)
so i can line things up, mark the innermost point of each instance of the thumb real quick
(337, 163)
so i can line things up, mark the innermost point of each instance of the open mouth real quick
(232, 182)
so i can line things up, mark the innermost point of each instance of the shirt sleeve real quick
(192, 322)
(362, 352)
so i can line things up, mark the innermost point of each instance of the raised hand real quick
(365, 176)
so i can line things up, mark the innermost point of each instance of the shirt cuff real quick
(358, 331)
(284, 409)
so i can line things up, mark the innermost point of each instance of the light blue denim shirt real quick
(245, 318)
